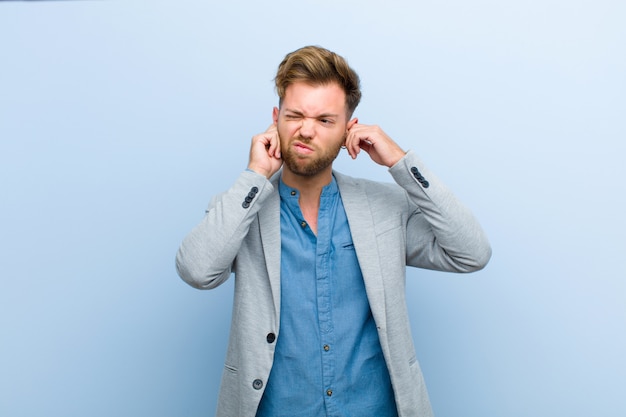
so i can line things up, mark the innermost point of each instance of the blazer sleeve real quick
(442, 234)
(205, 258)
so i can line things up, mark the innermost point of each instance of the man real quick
(319, 323)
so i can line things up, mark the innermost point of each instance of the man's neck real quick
(310, 188)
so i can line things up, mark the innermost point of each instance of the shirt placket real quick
(324, 299)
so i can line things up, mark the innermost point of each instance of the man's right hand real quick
(265, 158)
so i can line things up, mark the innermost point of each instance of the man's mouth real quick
(302, 148)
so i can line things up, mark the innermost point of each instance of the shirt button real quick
(293, 193)
(329, 392)
(257, 384)
(303, 224)
(271, 337)
(326, 348)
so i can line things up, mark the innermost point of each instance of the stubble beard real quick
(309, 166)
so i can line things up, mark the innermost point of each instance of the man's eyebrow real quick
(319, 116)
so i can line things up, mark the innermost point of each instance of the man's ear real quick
(275, 115)
(352, 123)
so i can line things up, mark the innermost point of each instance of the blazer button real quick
(271, 337)
(257, 384)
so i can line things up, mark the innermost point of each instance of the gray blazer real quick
(415, 222)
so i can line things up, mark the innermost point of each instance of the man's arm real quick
(442, 233)
(205, 257)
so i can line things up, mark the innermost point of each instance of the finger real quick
(355, 137)
(275, 147)
(352, 145)
(366, 145)
(347, 143)
(272, 144)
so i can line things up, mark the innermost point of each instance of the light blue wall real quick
(119, 120)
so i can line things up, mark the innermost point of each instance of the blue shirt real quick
(328, 359)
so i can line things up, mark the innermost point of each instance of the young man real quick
(319, 323)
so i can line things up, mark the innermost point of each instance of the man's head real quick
(318, 92)
(317, 66)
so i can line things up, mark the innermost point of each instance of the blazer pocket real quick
(230, 368)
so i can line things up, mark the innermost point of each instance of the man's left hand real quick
(373, 140)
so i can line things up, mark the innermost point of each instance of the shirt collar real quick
(287, 192)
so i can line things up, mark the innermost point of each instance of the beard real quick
(310, 165)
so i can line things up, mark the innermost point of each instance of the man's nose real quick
(307, 129)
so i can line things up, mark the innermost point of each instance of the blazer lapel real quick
(269, 225)
(355, 202)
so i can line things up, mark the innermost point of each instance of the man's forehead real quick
(321, 99)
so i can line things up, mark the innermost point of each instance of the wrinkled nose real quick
(307, 130)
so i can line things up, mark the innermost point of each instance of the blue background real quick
(120, 119)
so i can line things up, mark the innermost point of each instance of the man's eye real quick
(326, 121)
(291, 117)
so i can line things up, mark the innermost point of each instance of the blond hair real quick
(315, 65)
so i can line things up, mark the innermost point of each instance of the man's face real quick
(312, 126)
